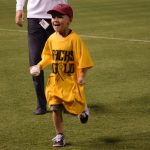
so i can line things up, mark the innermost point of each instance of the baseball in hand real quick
(35, 70)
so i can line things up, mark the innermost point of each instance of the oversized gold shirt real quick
(67, 57)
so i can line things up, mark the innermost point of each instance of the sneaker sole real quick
(57, 145)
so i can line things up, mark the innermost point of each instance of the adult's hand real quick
(19, 18)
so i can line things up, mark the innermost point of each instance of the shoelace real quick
(57, 138)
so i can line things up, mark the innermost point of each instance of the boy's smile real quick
(60, 23)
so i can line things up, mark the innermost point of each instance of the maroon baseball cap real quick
(62, 8)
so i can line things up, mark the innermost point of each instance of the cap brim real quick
(54, 10)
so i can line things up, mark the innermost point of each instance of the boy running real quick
(69, 59)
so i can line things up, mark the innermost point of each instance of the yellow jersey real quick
(67, 56)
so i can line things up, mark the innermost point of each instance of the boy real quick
(69, 59)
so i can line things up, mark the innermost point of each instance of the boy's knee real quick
(55, 108)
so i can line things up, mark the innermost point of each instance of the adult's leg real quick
(37, 37)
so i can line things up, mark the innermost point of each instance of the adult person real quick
(39, 29)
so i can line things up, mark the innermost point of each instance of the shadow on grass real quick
(139, 141)
(68, 144)
(111, 140)
(137, 105)
(99, 108)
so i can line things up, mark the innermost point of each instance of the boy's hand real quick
(82, 76)
(80, 81)
(35, 70)
(19, 18)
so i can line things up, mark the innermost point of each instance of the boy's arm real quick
(46, 60)
(46, 57)
(82, 76)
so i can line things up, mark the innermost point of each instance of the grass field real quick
(117, 33)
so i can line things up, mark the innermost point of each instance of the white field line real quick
(113, 38)
(11, 30)
(89, 36)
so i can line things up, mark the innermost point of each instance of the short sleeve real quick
(83, 57)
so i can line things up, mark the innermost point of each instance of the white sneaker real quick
(84, 115)
(58, 140)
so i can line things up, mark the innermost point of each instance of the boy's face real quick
(60, 22)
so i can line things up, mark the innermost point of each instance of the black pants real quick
(37, 37)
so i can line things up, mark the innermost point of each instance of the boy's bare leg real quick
(58, 140)
(57, 121)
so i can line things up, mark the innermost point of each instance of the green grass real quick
(117, 88)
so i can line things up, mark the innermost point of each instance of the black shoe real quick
(84, 116)
(40, 111)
